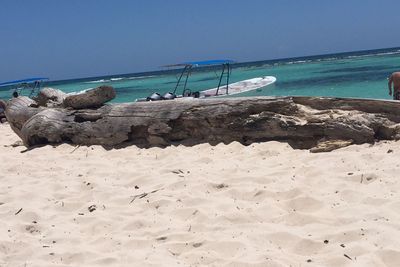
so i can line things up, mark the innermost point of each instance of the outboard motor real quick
(154, 97)
(169, 96)
(196, 94)
(187, 93)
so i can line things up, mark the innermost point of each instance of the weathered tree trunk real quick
(304, 122)
(50, 97)
(3, 106)
(91, 98)
(19, 110)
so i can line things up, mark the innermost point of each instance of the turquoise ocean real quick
(361, 74)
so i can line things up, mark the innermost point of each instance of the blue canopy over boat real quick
(30, 80)
(203, 63)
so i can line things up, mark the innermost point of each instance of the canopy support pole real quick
(227, 78)
(220, 78)
(179, 80)
(189, 69)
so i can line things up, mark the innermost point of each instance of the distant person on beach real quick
(395, 80)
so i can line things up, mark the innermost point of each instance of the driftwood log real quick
(3, 106)
(322, 124)
(50, 97)
(90, 98)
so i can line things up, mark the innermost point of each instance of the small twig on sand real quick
(18, 211)
(347, 256)
(173, 253)
(75, 149)
(142, 195)
(15, 144)
(31, 148)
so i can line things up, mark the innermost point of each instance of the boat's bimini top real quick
(202, 63)
(30, 80)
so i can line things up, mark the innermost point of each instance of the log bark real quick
(304, 122)
(3, 106)
(19, 110)
(91, 98)
(50, 97)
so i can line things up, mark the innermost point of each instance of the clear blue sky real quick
(81, 38)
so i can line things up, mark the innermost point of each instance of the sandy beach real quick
(226, 205)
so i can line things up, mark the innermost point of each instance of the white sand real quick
(261, 205)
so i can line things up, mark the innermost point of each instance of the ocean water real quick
(361, 74)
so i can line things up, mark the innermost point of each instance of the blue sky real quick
(82, 38)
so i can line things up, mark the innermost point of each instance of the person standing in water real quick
(395, 80)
